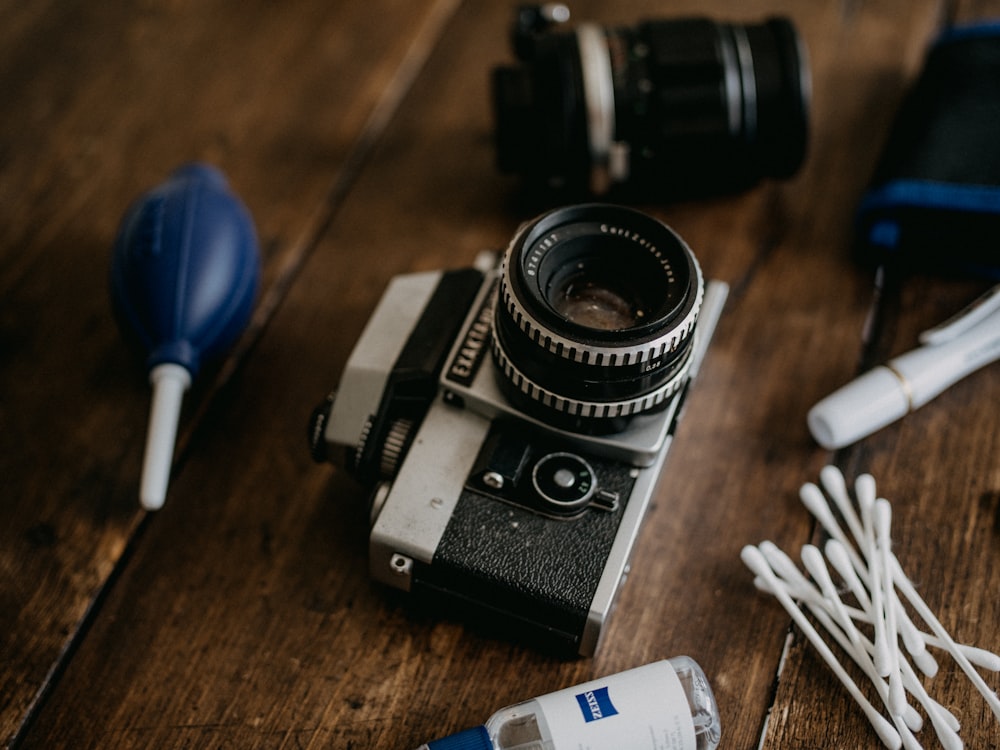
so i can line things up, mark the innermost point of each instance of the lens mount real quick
(595, 313)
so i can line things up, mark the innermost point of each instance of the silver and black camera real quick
(513, 419)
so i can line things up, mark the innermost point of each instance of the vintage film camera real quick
(513, 421)
(669, 108)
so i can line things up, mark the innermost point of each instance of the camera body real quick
(519, 519)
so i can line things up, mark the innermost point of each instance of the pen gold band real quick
(904, 384)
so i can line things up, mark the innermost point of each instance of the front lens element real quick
(602, 281)
(590, 302)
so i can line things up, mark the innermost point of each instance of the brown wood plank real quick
(938, 467)
(243, 616)
(101, 103)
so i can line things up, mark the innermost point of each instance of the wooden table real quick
(359, 136)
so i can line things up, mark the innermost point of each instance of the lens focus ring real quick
(592, 409)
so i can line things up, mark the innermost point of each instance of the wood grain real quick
(100, 103)
(359, 134)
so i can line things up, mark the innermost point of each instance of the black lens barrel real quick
(540, 113)
(697, 107)
(553, 365)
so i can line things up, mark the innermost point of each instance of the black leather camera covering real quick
(934, 201)
(534, 578)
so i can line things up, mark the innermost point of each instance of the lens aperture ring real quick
(591, 409)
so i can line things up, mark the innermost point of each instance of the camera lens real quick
(595, 314)
(682, 107)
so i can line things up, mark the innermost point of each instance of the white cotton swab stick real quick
(864, 491)
(784, 567)
(913, 639)
(981, 657)
(810, 595)
(814, 562)
(812, 497)
(945, 724)
(895, 698)
(883, 661)
(836, 553)
(925, 613)
(836, 487)
(910, 718)
(815, 502)
(883, 522)
(754, 559)
(943, 720)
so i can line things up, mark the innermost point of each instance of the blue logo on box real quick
(596, 704)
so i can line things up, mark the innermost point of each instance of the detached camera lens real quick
(595, 316)
(677, 107)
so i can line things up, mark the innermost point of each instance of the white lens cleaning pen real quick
(949, 352)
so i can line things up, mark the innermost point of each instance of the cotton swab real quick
(754, 559)
(978, 656)
(883, 521)
(925, 613)
(862, 657)
(945, 724)
(815, 502)
(913, 639)
(874, 577)
(812, 558)
(836, 487)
